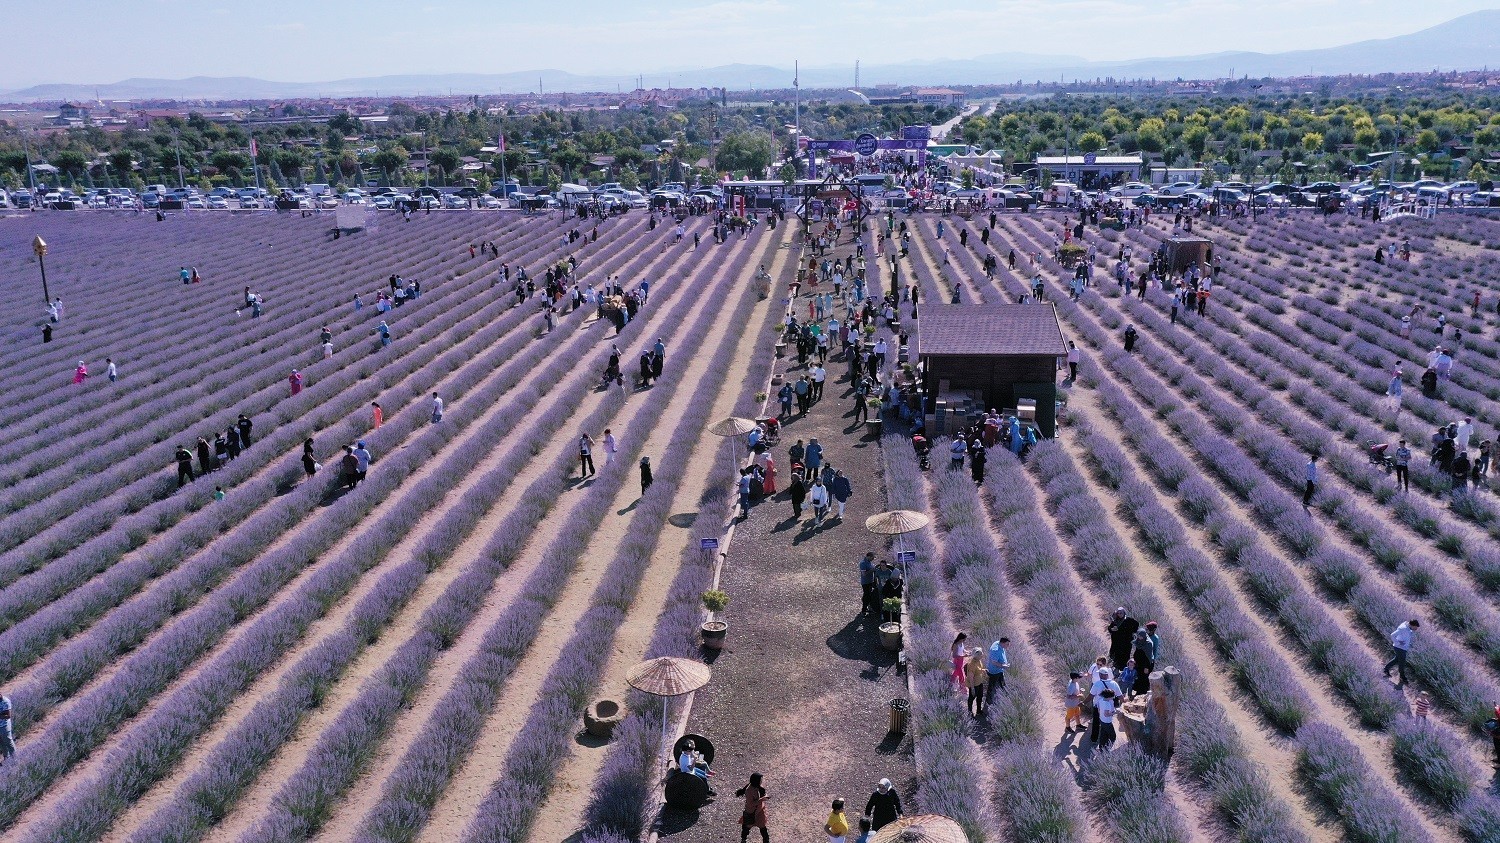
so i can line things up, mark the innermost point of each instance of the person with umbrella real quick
(884, 805)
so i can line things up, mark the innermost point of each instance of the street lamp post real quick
(39, 246)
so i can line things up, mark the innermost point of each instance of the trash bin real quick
(899, 710)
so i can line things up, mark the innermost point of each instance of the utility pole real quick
(30, 173)
(177, 144)
(39, 246)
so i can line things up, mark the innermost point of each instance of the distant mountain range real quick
(1470, 42)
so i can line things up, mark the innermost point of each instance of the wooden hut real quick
(1007, 354)
(1185, 250)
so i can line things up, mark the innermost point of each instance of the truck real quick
(316, 190)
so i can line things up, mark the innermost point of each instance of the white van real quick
(316, 190)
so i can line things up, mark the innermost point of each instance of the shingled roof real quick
(990, 329)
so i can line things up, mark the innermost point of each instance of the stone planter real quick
(780, 349)
(714, 633)
(601, 717)
(890, 636)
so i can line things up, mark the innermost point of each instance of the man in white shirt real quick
(1073, 357)
(1401, 641)
(1461, 440)
(819, 374)
(880, 350)
(437, 408)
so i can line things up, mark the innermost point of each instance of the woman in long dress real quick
(81, 374)
(768, 470)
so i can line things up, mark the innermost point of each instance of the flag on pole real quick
(502, 143)
(253, 152)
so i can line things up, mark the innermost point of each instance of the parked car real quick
(1177, 188)
(1129, 190)
(218, 202)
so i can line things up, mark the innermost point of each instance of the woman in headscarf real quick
(884, 805)
(1144, 663)
(295, 380)
(81, 373)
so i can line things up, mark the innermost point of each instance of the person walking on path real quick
(245, 425)
(842, 490)
(785, 395)
(1122, 629)
(348, 468)
(797, 491)
(1072, 704)
(975, 677)
(377, 415)
(745, 484)
(1073, 357)
(309, 462)
(295, 381)
(884, 805)
(958, 651)
(362, 462)
(111, 371)
(818, 498)
(977, 459)
(818, 374)
(645, 474)
(81, 373)
(1312, 480)
(814, 456)
(1401, 640)
(1130, 337)
(437, 408)
(996, 662)
(803, 390)
(754, 813)
(184, 459)
(585, 456)
(611, 447)
(958, 450)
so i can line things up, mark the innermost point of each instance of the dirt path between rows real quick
(558, 819)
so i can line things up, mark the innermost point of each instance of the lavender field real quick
(1175, 490)
(296, 660)
(409, 659)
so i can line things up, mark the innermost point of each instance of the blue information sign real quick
(866, 144)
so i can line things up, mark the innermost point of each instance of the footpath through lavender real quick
(802, 688)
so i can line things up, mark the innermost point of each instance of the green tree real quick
(751, 151)
(71, 164)
(1195, 138)
(1091, 142)
(390, 160)
(446, 160)
(123, 162)
(569, 157)
(1428, 141)
(1312, 141)
(1478, 173)
(788, 173)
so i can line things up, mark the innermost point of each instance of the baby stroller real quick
(1379, 456)
(771, 428)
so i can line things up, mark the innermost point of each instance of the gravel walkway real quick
(801, 691)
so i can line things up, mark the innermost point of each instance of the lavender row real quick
(977, 588)
(948, 763)
(623, 796)
(1067, 634)
(508, 811)
(130, 461)
(415, 375)
(1455, 606)
(138, 319)
(94, 717)
(342, 395)
(454, 727)
(231, 768)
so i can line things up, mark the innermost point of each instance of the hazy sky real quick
(96, 41)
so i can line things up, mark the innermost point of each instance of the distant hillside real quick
(1470, 42)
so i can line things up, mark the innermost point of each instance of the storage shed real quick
(1006, 353)
(1185, 250)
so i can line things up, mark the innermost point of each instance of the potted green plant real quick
(714, 631)
(872, 417)
(890, 609)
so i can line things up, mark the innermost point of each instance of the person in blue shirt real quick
(745, 481)
(869, 584)
(813, 455)
(1312, 480)
(996, 660)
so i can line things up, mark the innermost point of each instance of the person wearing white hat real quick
(1105, 682)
